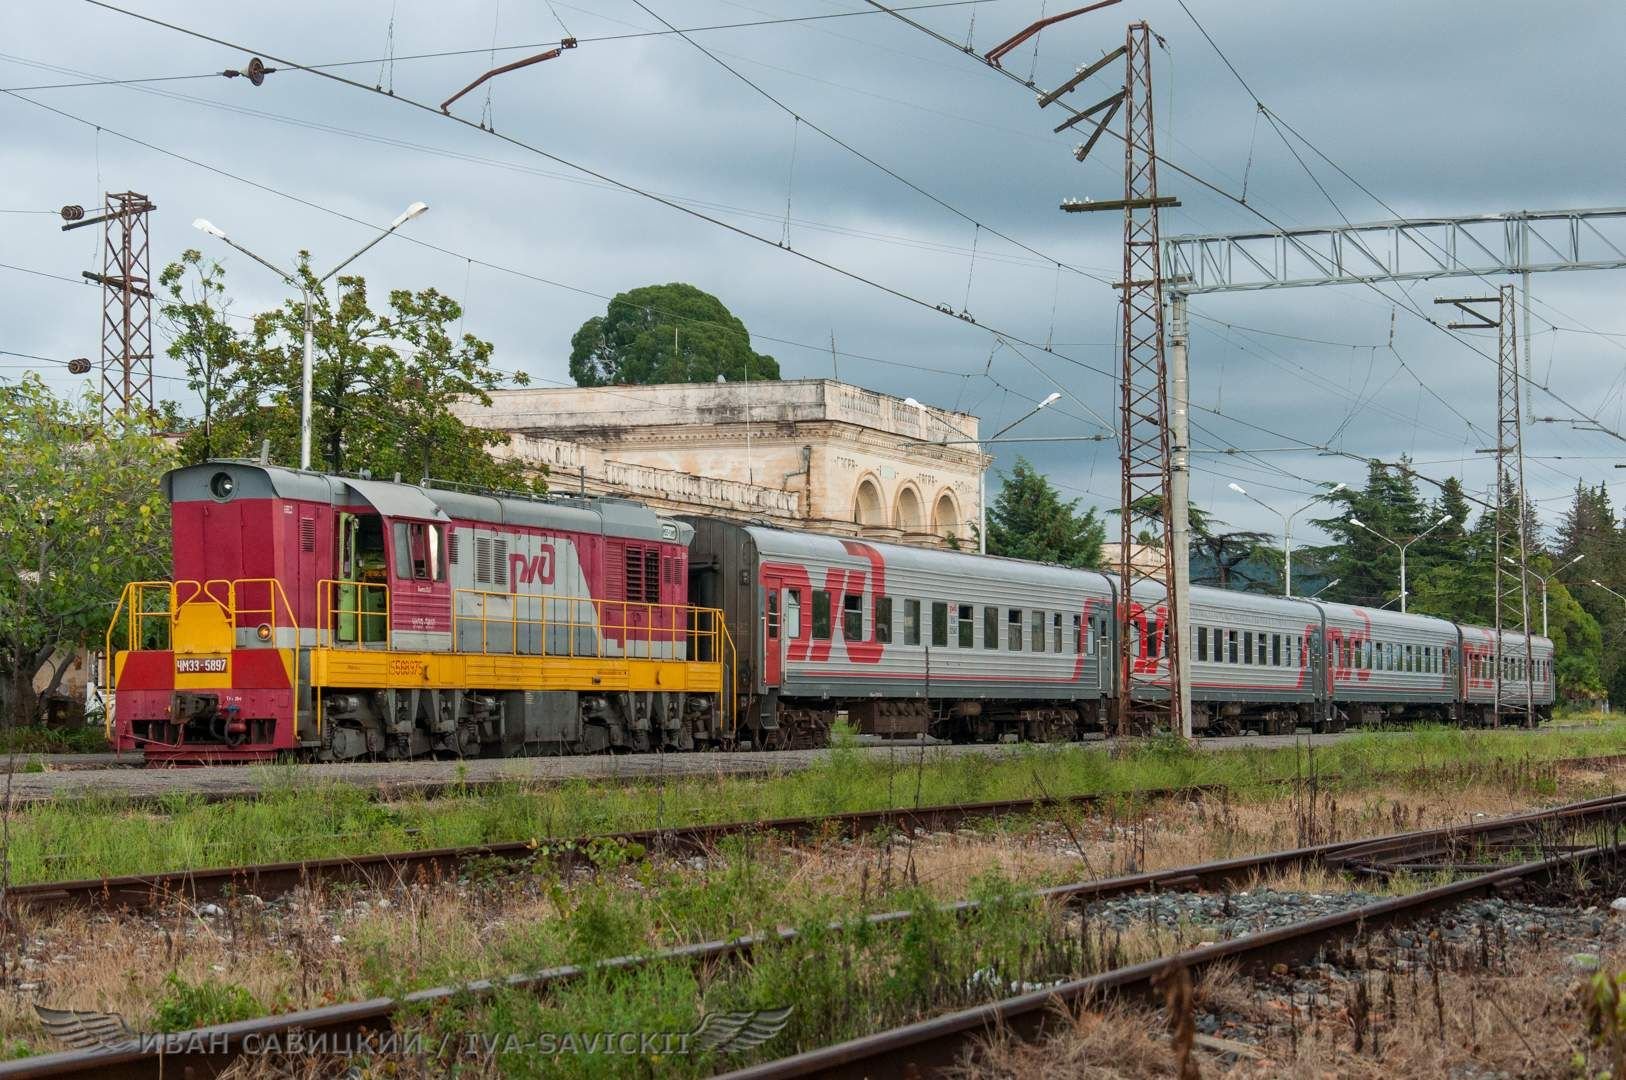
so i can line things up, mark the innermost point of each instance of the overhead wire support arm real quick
(1072, 84)
(567, 43)
(998, 52)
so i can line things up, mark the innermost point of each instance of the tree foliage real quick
(1029, 520)
(665, 334)
(383, 386)
(80, 515)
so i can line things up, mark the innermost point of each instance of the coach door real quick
(773, 631)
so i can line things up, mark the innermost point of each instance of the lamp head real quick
(1355, 521)
(1336, 488)
(1237, 488)
(1443, 520)
(1598, 583)
(408, 214)
(1051, 400)
(203, 225)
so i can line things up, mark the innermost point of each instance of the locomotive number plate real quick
(200, 665)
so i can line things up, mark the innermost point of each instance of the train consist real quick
(338, 618)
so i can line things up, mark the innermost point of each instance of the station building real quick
(799, 453)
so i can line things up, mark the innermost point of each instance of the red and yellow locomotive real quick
(337, 618)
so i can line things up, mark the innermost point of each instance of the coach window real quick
(1055, 632)
(1230, 640)
(852, 616)
(990, 628)
(821, 615)
(883, 619)
(1079, 644)
(1276, 650)
(967, 625)
(1013, 629)
(793, 613)
(940, 624)
(911, 622)
(1038, 631)
(1247, 646)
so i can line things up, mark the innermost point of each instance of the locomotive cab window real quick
(419, 551)
(883, 619)
(852, 617)
(821, 615)
(940, 624)
(911, 622)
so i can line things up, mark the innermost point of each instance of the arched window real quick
(911, 512)
(868, 509)
(946, 519)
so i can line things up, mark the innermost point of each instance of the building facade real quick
(801, 453)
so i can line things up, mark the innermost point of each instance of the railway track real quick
(922, 1048)
(141, 892)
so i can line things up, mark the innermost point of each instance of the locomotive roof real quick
(252, 480)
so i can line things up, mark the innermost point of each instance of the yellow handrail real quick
(330, 601)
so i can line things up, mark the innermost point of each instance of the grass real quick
(47, 740)
(91, 838)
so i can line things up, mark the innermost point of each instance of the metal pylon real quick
(1148, 640)
(1512, 539)
(126, 307)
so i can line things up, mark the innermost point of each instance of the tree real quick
(1029, 520)
(80, 514)
(1225, 551)
(1368, 568)
(665, 334)
(201, 339)
(383, 383)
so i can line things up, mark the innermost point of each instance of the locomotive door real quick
(358, 602)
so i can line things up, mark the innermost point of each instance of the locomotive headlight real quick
(263, 631)
(221, 486)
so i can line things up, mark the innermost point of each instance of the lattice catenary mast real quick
(126, 283)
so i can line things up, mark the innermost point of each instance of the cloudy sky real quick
(1435, 108)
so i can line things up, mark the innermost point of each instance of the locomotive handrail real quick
(587, 625)
(329, 609)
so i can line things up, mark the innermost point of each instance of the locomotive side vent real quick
(307, 534)
(451, 547)
(491, 561)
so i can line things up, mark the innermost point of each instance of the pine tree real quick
(1029, 520)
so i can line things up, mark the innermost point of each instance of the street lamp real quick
(1353, 520)
(1544, 579)
(1287, 528)
(1323, 588)
(305, 373)
(1608, 590)
(982, 475)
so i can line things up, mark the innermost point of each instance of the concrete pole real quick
(1180, 498)
(1403, 578)
(305, 387)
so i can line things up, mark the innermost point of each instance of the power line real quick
(531, 47)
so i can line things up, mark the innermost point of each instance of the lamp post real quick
(305, 293)
(1401, 547)
(1544, 579)
(982, 475)
(1287, 528)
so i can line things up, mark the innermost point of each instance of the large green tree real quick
(80, 515)
(383, 386)
(665, 334)
(1029, 520)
